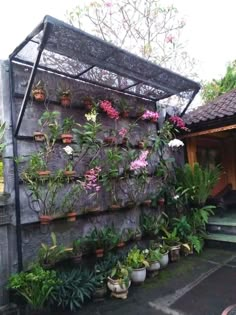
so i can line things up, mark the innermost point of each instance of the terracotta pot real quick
(115, 206)
(44, 174)
(94, 209)
(147, 202)
(45, 219)
(66, 138)
(88, 105)
(69, 173)
(99, 252)
(141, 144)
(71, 216)
(153, 120)
(110, 140)
(120, 244)
(118, 290)
(39, 95)
(124, 114)
(39, 136)
(124, 141)
(65, 100)
(161, 202)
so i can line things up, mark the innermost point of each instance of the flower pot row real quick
(40, 137)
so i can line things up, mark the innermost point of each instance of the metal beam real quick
(41, 46)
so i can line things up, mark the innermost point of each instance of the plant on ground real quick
(35, 286)
(136, 259)
(49, 255)
(121, 273)
(76, 286)
(152, 255)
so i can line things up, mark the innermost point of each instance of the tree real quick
(144, 27)
(215, 88)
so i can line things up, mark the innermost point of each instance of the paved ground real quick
(196, 285)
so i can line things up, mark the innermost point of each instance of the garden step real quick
(227, 220)
(221, 237)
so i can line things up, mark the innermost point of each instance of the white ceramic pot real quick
(118, 290)
(138, 275)
(154, 266)
(164, 260)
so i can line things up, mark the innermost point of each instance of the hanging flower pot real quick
(121, 244)
(141, 144)
(124, 141)
(124, 114)
(99, 252)
(39, 95)
(69, 173)
(44, 174)
(39, 136)
(115, 206)
(65, 100)
(71, 216)
(110, 140)
(45, 219)
(66, 138)
(88, 103)
(161, 202)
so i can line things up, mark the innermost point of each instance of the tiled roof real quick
(223, 106)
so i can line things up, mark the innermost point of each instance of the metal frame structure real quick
(57, 38)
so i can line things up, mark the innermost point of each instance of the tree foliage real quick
(144, 27)
(215, 88)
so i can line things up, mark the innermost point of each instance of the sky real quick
(209, 30)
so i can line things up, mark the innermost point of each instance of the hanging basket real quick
(65, 101)
(66, 138)
(39, 95)
(69, 173)
(45, 219)
(44, 174)
(71, 216)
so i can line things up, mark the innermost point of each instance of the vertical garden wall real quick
(118, 155)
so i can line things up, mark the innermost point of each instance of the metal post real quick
(15, 130)
(190, 101)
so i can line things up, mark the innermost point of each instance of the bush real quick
(76, 286)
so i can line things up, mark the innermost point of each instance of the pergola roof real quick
(71, 52)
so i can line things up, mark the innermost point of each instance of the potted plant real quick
(69, 172)
(110, 137)
(164, 260)
(35, 286)
(39, 92)
(136, 260)
(46, 120)
(70, 198)
(100, 240)
(67, 126)
(37, 167)
(124, 108)
(64, 96)
(88, 103)
(49, 255)
(150, 225)
(119, 281)
(153, 257)
(43, 199)
(77, 252)
(172, 240)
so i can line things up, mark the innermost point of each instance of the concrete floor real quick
(196, 285)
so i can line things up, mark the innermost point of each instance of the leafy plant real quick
(76, 286)
(152, 255)
(35, 286)
(2, 132)
(136, 259)
(198, 181)
(67, 125)
(150, 224)
(103, 238)
(49, 255)
(170, 238)
(71, 197)
(121, 273)
(35, 163)
(43, 194)
(183, 227)
(40, 85)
